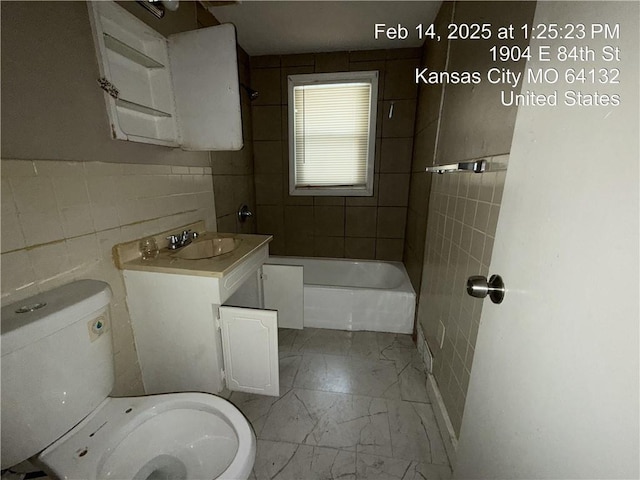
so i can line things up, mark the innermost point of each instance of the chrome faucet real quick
(180, 240)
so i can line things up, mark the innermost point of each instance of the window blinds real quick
(331, 128)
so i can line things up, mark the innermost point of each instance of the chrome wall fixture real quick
(244, 213)
(253, 94)
(155, 8)
(475, 166)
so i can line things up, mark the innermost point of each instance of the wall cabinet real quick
(181, 91)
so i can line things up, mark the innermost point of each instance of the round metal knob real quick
(244, 213)
(479, 287)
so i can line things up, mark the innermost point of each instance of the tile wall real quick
(352, 227)
(60, 221)
(463, 208)
(233, 175)
(434, 56)
(462, 222)
(69, 191)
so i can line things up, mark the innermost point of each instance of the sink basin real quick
(207, 248)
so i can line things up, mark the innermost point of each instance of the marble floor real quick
(352, 405)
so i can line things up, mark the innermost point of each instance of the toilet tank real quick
(57, 365)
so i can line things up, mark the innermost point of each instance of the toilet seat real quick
(170, 436)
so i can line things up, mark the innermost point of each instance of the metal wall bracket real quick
(475, 166)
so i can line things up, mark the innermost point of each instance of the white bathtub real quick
(355, 294)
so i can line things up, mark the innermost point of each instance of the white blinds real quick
(331, 128)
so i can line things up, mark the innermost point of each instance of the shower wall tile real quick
(328, 221)
(395, 155)
(268, 156)
(400, 79)
(389, 249)
(361, 222)
(266, 122)
(360, 248)
(398, 118)
(332, 247)
(332, 62)
(266, 81)
(391, 222)
(394, 189)
(353, 220)
(233, 172)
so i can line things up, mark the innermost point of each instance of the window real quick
(332, 124)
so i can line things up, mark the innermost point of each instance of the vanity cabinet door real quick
(283, 291)
(250, 350)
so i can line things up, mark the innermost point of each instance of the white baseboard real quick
(424, 351)
(442, 417)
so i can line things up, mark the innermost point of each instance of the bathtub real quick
(348, 294)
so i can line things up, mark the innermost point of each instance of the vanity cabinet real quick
(181, 91)
(203, 324)
(187, 341)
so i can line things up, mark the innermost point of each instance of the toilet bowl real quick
(172, 436)
(57, 373)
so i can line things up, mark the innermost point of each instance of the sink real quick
(207, 248)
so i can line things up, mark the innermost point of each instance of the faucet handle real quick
(173, 242)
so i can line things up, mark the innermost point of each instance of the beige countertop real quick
(127, 255)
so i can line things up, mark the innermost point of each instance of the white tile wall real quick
(61, 219)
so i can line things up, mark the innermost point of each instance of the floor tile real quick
(256, 407)
(361, 376)
(352, 405)
(318, 340)
(289, 365)
(401, 356)
(347, 422)
(429, 471)
(373, 467)
(295, 415)
(286, 461)
(271, 458)
(365, 344)
(354, 423)
(413, 382)
(414, 433)
(286, 337)
(386, 340)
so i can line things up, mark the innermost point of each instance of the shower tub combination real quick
(345, 294)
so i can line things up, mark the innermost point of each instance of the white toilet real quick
(57, 374)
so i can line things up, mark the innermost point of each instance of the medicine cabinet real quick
(177, 91)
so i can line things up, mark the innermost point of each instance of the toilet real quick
(57, 374)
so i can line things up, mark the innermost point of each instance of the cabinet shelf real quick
(136, 107)
(129, 52)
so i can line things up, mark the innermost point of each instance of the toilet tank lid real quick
(64, 305)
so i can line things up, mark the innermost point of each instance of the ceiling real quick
(284, 27)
